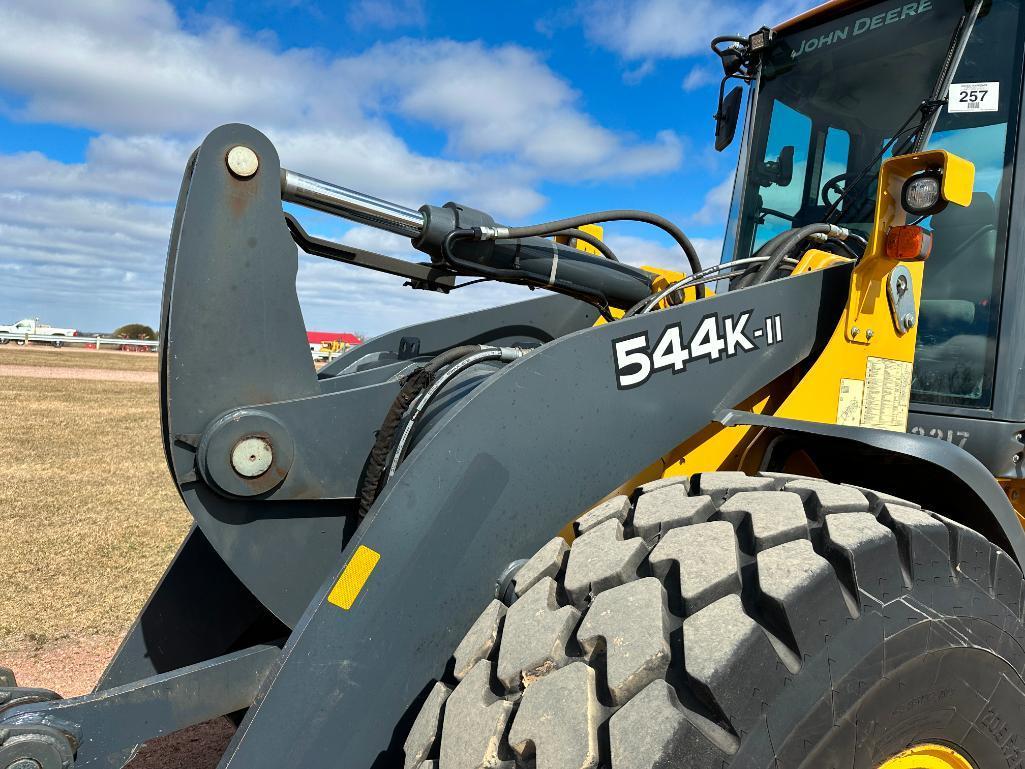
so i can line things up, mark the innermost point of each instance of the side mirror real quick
(779, 171)
(726, 119)
(785, 166)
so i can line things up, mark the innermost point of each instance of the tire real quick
(740, 621)
(20, 342)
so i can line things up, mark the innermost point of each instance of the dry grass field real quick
(69, 358)
(88, 515)
(89, 519)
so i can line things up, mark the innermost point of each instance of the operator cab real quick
(830, 94)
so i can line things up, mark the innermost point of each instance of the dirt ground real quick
(89, 520)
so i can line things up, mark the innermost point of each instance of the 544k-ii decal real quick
(715, 338)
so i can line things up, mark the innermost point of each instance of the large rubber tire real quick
(737, 621)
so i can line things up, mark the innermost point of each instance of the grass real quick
(89, 517)
(67, 357)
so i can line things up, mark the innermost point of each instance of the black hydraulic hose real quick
(774, 259)
(844, 246)
(485, 354)
(414, 384)
(766, 249)
(591, 240)
(617, 215)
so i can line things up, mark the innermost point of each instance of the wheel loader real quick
(766, 513)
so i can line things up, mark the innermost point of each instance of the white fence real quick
(59, 340)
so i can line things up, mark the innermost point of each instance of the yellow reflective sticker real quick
(353, 577)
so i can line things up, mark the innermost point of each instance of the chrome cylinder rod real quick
(349, 204)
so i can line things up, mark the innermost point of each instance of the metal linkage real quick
(98, 728)
(36, 746)
(16, 696)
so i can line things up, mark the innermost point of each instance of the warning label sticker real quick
(848, 410)
(887, 390)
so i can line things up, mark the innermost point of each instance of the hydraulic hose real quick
(766, 248)
(414, 384)
(591, 240)
(774, 258)
(707, 275)
(486, 354)
(616, 215)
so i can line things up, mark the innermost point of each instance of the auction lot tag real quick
(973, 97)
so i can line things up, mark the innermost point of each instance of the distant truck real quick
(33, 327)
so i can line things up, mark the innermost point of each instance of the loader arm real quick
(486, 481)
(476, 492)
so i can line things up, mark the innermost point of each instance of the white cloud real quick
(491, 101)
(136, 167)
(386, 14)
(699, 77)
(89, 238)
(642, 252)
(717, 202)
(654, 29)
(638, 73)
(502, 100)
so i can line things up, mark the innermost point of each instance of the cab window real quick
(957, 336)
(831, 107)
(780, 175)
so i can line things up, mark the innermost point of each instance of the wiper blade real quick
(928, 109)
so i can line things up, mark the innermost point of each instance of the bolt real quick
(1016, 458)
(902, 284)
(242, 161)
(252, 456)
(855, 331)
(1020, 437)
(869, 334)
(909, 321)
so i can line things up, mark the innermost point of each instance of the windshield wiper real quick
(928, 110)
(918, 136)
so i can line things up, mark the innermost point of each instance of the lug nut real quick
(252, 456)
(242, 161)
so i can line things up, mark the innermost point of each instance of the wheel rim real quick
(928, 757)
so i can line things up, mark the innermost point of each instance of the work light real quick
(923, 194)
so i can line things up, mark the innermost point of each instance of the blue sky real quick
(529, 110)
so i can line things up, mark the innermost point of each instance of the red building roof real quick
(319, 337)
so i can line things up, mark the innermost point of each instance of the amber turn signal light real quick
(908, 243)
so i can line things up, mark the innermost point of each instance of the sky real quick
(529, 110)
